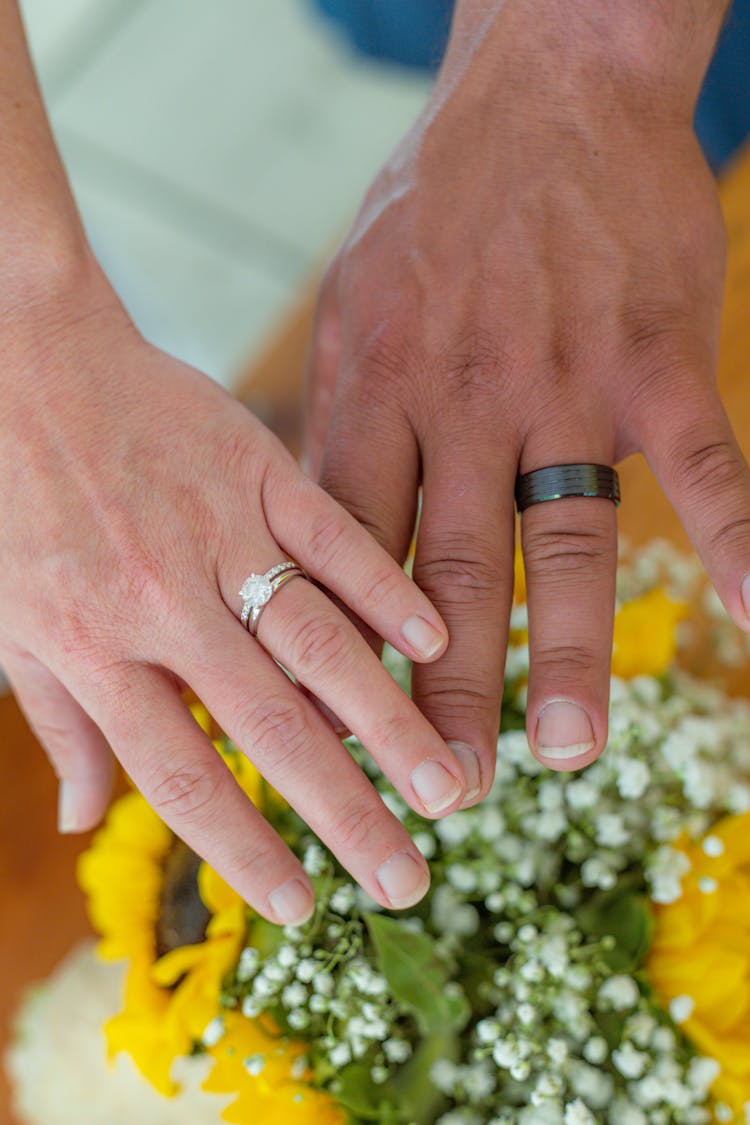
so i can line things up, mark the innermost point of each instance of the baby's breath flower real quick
(630, 1062)
(595, 1050)
(397, 1050)
(578, 1113)
(314, 860)
(342, 899)
(558, 1052)
(444, 1074)
(294, 995)
(487, 1030)
(323, 983)
(426, 843)
(340, 1055)
(461, 877)
(619, 992)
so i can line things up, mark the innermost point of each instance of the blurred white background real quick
(217, 149)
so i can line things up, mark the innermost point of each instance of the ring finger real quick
(570, 555)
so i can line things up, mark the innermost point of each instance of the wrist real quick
(658, 49)
(42, 264)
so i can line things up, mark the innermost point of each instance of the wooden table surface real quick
(41, 910)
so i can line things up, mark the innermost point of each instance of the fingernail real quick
(292, 902)
(423, 637)
(563, 731)
(745, 592)
(470, 765)
(435, 786)
(68, 808)
(402, 880)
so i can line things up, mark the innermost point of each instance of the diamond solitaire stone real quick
(256, 590)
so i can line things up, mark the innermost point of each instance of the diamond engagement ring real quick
(258, 589)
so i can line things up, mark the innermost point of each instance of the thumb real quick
(75, 746)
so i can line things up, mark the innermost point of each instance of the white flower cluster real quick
(324, 988)
(524, 889)
(550, 1056)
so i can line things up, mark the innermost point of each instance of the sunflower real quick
(180, 927)
(270, 1075)
(645, 635)
(699, 962)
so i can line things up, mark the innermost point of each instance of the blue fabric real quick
(411, 32)
(414, 33)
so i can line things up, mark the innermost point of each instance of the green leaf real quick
(355, 1090)
(417, 977)
(265, 936)
(476, 977)
(628, 920)
(419, 1099)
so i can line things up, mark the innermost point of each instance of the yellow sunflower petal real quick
(215, 892)
(519, 578)
(645, 638)
(701, 949)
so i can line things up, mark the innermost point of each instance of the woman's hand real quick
(535, 278)
(137, 497)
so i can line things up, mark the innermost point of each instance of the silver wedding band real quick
(258, 589)
(558, 482)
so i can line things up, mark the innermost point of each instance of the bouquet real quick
(583, 954)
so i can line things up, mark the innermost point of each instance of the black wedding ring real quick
(560, 481)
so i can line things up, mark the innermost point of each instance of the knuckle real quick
(454, 568)
(382, 355)
(731, 535)
(454, 696)
(186, 793)
(395, 730)
(558, 551)
(256, 865)
(277, 727)
(357, 828)
(708, 466)
(573, 660)
(326, 538)
(655, 331)
(476, 363)
(320, 647)
(384, 586)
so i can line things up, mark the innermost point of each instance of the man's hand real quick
(535, 278)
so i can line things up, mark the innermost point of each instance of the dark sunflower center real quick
(183, 916)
